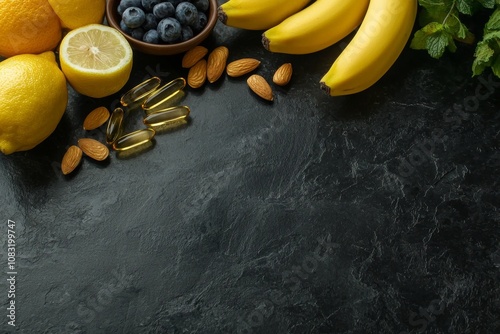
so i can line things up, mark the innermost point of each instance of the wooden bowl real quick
(113, 19)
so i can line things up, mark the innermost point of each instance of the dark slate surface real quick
(372, 213)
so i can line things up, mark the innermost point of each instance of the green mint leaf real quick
(435, 10)
(483, 52)
(432, 28)
(425, 16)
(478, 68)
(442, 27)
(419, 40)
(421, 37)
(495, 66)
(462, 31)
(483, 55)
(455, 27)
(487, 3)
(433, 38)
(487, 53)
(452, 47)
(433, 5)
(465, 6)
(492, 36)
(493, 22)
(437, 43)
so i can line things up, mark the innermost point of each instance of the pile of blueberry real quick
(163, 22)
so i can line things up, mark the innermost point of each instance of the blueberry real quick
(151, 36)
(186, 33)
(124, 4)
(121, 9)
(163, 10)
(186, 13)
(130, 3)
(175, 2)
(137, 33)
(124, 27)
(201, 23)
(133, 17)
(201, 5)
(169, 30)
(150, 23)
(149, 4)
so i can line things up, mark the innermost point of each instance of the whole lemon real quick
(33, 98)
(78, 13)
(28, 26)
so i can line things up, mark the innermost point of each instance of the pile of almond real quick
(211, 69)
(201, 70)
(88, 146)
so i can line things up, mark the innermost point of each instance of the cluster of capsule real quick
(161, 112)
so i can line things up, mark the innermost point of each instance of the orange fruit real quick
(28, 26)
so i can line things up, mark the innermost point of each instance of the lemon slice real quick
(96, 59)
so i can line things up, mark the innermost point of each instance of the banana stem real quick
(221, 15)
(265, 42)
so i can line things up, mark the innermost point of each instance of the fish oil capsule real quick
(168, 116)
(115, 125)
(134, 139)
(164, 93)
(140, 92)
(172, 101)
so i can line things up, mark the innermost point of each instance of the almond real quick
(283, 74)
(260, 87)
(96, 118)
(93, 148)
(71, 159)
(191, 57)
(216, 63)
(197, 74)
(242, 66)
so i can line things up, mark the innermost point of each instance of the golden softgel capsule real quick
(134, 139)
(174, 100)
(140, 92)
(164, 93)
(115, 125)
(167, 116)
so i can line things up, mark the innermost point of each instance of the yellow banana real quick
(316, 27)
(374, 48)
(258, 14)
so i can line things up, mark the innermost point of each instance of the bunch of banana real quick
(294, 27)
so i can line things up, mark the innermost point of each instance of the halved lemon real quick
(96, 59)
